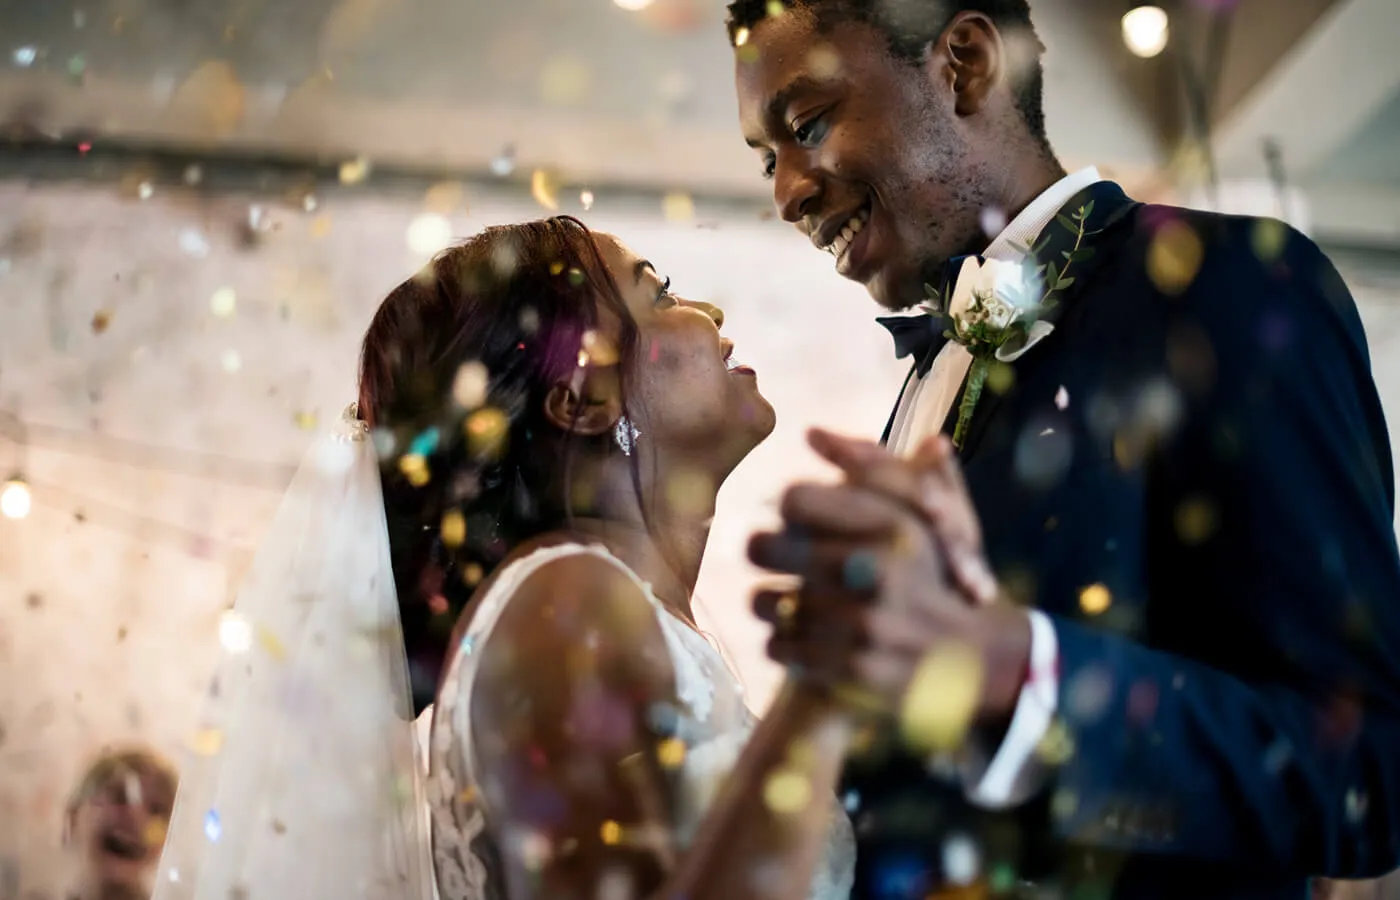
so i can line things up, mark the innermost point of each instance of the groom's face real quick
(867, 154)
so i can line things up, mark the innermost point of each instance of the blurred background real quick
(203, 201)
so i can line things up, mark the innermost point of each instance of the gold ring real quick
(786, 610)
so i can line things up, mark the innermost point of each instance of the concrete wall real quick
(160, 434)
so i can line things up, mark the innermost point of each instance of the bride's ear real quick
(588, 406)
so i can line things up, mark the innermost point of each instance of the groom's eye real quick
(809, 132)
(770, 165)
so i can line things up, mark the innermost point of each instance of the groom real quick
(1161, 616)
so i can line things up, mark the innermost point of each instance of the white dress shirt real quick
(1014, 771)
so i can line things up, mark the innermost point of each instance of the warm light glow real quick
(1145, 30)
(633, 5)
(15, 499)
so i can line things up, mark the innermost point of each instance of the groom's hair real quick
(911, 25)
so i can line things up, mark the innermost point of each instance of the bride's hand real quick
(930, 482)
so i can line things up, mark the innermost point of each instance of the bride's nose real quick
(709, 309)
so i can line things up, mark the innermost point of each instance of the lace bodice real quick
(713, 722)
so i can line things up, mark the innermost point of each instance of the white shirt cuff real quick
(1017, 771)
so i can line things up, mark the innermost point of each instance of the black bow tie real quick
(918, 336)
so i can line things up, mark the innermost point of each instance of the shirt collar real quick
(1025, 229)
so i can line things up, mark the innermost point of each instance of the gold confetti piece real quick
(306, 421)
(1195, 521)
(454, 529)
(611, 833)
(101, 320)
(1056, 747)
(741, 37)
(428, 233)
(787, 791)
(1174, 257)
(1095, 599)
(223, 302)
(671, 752)
(823, 62)
(564, 81)
(231, 361)
(586, 198)
(1268, 239)
(272, 645)
(321, 226)
(774, 9)
(415, 468)
(600, 349)
(443, 198)
(354, 171)
(207, 741)
(472, 575)
(678, 207)
(487, 431)
(1000, 378)
(544, 187)
(941, 700)
(153, 835)
(279, 827)
(470, 385)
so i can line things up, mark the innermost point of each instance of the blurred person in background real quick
(115, 823)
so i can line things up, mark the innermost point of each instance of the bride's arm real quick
(568, 714)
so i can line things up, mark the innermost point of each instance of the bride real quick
(527, 485)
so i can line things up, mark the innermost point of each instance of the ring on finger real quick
(861, 571)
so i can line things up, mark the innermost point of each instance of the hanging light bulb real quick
(15, 498)
(1145, 30)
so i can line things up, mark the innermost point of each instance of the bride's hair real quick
(454, 371)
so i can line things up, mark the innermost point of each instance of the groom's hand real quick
(877, 607)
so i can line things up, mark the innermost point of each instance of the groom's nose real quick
(796, 189)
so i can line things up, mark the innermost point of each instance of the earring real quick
(626, 434)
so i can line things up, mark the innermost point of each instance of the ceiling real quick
(602, 95)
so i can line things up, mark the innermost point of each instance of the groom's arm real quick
(1278, 743)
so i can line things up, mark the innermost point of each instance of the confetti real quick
(678, 206)
(428, 233)
(941, 700)
(354, 171)
(212, 827)
(1174, 257)
(223, 302)
(1062, 398)
(564, 81)
(823, 62)
(306, 421)
(610, 832)
(15, 499)
(208, 741)
(487, 431)
(231, 361)
(993, 220)
(633, 5)
(962, 860)
(443, 198)
(145, 190)
(1195, 521)
(235, 634)
(470, 385)
(24, 56)
(787, 791)
(453, 529)
(193, 243)
(671, 753)
(415, 469)
(586, 198)
(545, 189)
(272, 645)
(1095, 599)
(101, 320)
(504, 162)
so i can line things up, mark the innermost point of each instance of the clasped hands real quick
(896, 605)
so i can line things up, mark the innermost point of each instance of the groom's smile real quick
(870, 154)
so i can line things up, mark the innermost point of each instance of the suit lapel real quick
(899, 401)
(1110, 208)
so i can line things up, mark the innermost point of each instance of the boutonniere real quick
(999, 310)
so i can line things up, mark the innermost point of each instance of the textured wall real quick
(161, 433)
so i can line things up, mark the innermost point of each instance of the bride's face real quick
(690, 399)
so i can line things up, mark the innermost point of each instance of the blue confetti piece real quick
(425, 443)
(212, 828)
(468, 643)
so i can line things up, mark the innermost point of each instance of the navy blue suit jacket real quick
(1222, 471)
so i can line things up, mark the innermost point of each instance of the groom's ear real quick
(590, 404)
(976, 60)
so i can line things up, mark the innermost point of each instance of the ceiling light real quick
(1145, 30)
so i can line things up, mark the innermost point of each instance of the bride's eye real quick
(663, 296)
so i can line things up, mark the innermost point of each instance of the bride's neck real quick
(665, 551)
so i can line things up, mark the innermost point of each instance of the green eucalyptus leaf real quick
(1069, 224)
(1082, 254)
(1063, 283)
(1087, 210)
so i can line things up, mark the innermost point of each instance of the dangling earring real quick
(626, 434)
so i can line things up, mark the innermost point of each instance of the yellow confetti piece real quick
(207, 741)
(671, 753)
(942, 698)
(787, 791)
(544, 187)
(1195, 521)
(470, 385)
(823, 62)
(741, 37)
(454, 529)
(354, 171)
(1174, 257)
(564, 81)
(487, 431)
(472, 575)
(444, 198)
(321, 226)
(601, 350)
(1268, 239)
(678, 207)
(1000, 378)
(223, 302)
(1056, 747)
(611, 833)
(415, 468)
(272, 645)
(774, 8)
(1095, 599)
(153, 835)
(306, 421)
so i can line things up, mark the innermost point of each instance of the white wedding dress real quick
(714, 723)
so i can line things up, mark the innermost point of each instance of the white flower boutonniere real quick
(997, 310)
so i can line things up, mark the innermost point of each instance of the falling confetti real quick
(671, 752)
(962, 860)
(454, 529)
(610, 832)
(306, 421)
(231, 361)
(208, 741)
(193, 175)
(428, 233)
(470, 385)
(354, 171)
(545, 189)
(101, 320)
(993, 220)
(223, 302)
(309, 203)
(787, 792)
(443, 198)
(503, 163)
(564, 81)
(823, 62)
(145, 190)
(271, 645)
(415, 469)
(24, 56)
(941, 700)
(678, 206)
(193, 243)
(1195, 521)
(1062, 398)
(212, 828)
(235, 634)
(487, 430)
(1174, 257)
(1095, 599)
(586, 198)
